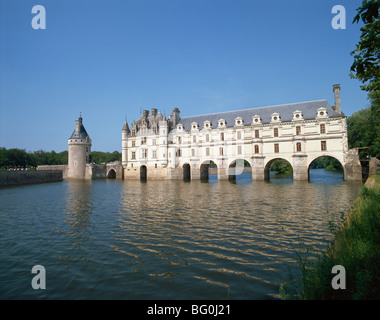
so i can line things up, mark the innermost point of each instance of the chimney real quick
(175, 115)
(145, 113)
(336, 89)
(154, 112)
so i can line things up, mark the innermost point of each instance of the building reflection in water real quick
(79, 207)
(167, 228)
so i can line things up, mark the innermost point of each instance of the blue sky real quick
(110, 59)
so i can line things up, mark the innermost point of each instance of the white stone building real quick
(156, 147)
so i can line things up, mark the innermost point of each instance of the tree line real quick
(364, 126)
(19, 158)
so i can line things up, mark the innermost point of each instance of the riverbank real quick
(13, 178)
(356, 247)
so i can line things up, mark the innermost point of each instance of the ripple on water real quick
(163, 239)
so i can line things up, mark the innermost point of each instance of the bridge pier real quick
(258, 168)
(352, 167)
(300, 167)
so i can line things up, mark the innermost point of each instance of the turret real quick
(79, 151)
(124, 143)
(163, 142)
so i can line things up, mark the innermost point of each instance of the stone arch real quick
(310, 162)
(111, 174)
(269, 164)
(143, 173)
(237, 167)
(205, 169)
(186, 168)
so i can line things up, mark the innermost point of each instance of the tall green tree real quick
(366, 66)
(358, 129)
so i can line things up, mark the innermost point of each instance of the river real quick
(110, 239)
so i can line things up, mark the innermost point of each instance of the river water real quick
(110, 239)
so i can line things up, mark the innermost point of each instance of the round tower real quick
(124, 146)
(79, 151)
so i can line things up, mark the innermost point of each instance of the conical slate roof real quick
(79, 131)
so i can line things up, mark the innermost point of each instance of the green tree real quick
(366, 67)
(282, 167)
(100, 157)
(359, 129)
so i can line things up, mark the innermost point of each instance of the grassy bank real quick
(356, 247)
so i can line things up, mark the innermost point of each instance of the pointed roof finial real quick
(125, 126)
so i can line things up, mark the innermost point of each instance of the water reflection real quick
(79, 209)
(220, 235)
(165, 239)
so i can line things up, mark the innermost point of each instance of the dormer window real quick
(256, 120)
(275, 117)
(222, 123)
(179, 127)
(239, 121)
(297, 115)
(194, 126)
(207, 124)
(322, 113)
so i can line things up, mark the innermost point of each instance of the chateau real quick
(225, 143)
(156, 147)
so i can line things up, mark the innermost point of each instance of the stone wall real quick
(95, 171)
(63, 168)
(12, 178)
(374, 166)
(353, 168)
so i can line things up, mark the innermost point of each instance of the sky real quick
(108, 60)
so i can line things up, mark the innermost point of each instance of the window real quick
(194, 138)
(133, 132)
(257, 134)
(256, 149)
(133, 143)
(133, 155)
(155, 165)
(207, 137)
(276, 148)
(143, 141)
(275, 132)
(179, 153)
(145, 153)
(154, 154)
(220, 151)
(207, 151)
(323, 146)
(298, 146)
(193, 152)
(323, 128)
(222, 136)
(239, 135)
(239, 150)
(298, 130)
(179, 140)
